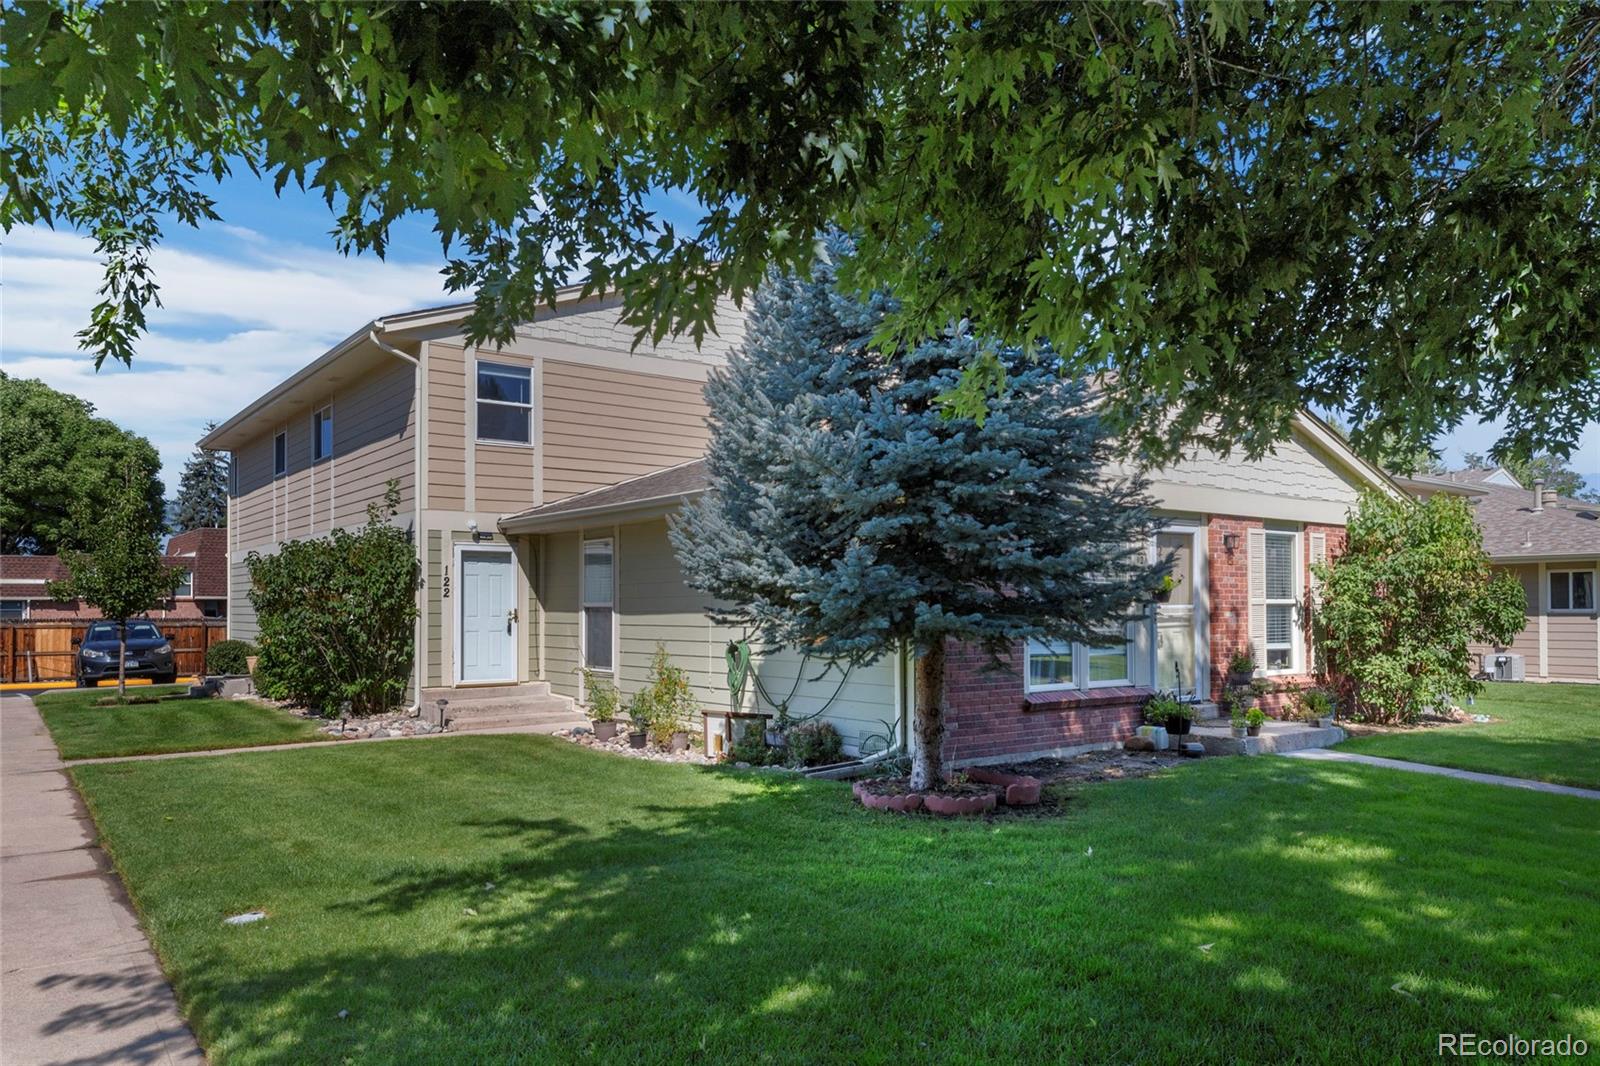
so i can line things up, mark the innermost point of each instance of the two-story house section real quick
(538, 480)
(469, 434)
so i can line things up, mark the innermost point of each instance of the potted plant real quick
(1241, 667)
(673, 702)
(1317, 707)
(1166, 709)
(602, 702)
(641, 712)
(1254, 719)
(1164, 590)
(1237, 720)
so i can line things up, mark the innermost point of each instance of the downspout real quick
(416, 494)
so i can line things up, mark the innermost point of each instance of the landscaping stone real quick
(1156, 735)
(618, 745)
(1139, 744)
(377, 727)
(1020, 789)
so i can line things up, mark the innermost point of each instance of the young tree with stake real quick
(123, 573)
(852, 515)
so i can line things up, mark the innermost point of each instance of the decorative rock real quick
(1157, 735)
(1192, 750)
(619, 745)
(1139, 744)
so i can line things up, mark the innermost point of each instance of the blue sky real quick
(250, 300)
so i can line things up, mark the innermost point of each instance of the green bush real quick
(814, 744)
(671, 704)
(1163, 708)
(337, 616)
(600, 695)
(1401, 607)
(751, 746)
(228, 657)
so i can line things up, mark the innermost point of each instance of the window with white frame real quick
(1282, 600)
(599, 603)
(1057, 667)
(1572, 590)
(186, 586)
(322, 434)
(280, 454)
(505, 403)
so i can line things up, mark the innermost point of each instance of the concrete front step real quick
(477, 693)
(542, 722)
(460, 712)
(1275, 739)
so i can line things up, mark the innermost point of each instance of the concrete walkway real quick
(77, 976)
(1326, 755)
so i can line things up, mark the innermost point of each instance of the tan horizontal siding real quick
(504, 477)
(374, 428)
(560, 603)
(447, 452)
(602, 426)
(1572, 640)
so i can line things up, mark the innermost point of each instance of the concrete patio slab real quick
(1324, 755)
(77, 976)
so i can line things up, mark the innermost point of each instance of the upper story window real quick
(1572, 590)
(1282, 600)
(505, 403)
(280, 454)
(186, 586)
(322, 434)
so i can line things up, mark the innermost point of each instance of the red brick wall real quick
(988, 713)
(1229, 587)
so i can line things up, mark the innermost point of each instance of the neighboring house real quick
(1552, 545)
(537, 480)
(202, 553)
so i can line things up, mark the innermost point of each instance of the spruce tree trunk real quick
(122, 662)
(927, 769)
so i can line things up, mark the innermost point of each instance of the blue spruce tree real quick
(851, 516)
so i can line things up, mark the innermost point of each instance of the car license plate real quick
(131, 662)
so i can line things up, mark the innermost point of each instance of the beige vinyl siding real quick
(447, 427)
(1526, 643)
(374, 427)
(241, 614)
(597, 323)
(252, 519)
(504, 477)
(433, 673)
(655, 606)
(558, 568)
(1571, 643)
(602, 426)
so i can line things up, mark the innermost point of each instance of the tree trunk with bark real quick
(927, 765)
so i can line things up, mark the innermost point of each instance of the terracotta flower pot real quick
(605, 730)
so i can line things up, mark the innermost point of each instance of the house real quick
(1552, 545)
(202, 553)
(537, 480)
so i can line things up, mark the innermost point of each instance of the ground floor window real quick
(1055, 667)
(1283, 601)
(1571, 590)
(599, 604)
(13, 610)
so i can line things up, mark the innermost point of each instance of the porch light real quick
(1230, 542)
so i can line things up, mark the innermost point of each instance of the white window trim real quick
(1594, 586)
(316, 438)
(584, 604)
(1080, 667)
(1296, 637)
(509, 552)
(27, 606)
(477, 434)
(280, 471)
(188, 574)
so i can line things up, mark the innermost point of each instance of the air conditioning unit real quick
(1505, 666)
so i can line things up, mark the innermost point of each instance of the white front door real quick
(1179, 658)
(487, 591)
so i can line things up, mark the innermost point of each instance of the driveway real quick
(78, 978)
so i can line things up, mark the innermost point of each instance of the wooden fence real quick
(43, 651)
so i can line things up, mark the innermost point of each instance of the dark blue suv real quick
(148, 650)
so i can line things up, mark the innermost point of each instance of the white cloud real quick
(236, 318)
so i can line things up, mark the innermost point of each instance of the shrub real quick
(1163, 708)
(601, 696)
(1313, 703)
(337, 616)
(1242, 662)
(1400, 607)
(228, 657)
(671, 701)
(751, 746)
(642, 712)
(1255, 717)
(815, 744)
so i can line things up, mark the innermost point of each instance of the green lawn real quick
(516, 898)
(173, 722)
(1543, 732)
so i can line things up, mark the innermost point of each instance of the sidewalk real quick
(77, 976)
(1328, 755)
